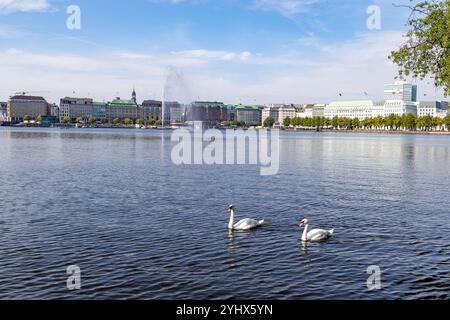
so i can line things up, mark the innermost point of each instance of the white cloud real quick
(285, 7)
(352, 68)
(10, 6)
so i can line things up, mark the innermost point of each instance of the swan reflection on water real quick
(231, 242)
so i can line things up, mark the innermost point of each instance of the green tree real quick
(287, 122)
(139, 121)
(116, 121)
(409, 122)
(26, 118)
(104, 121)
(66, 120)
(335, 122)
(158, 122)
(92, 120)
(447, 122)
(426, 51)
(39, 118)
(427, 122)
(79, 120)
(128, 121)
(437, 123)
(269, 122)
(356, 123)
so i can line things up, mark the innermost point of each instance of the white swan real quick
(245, 224)
(315, 235)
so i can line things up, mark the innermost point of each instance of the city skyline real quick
(222, 49)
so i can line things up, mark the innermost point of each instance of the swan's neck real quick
(305, 233)
(231, 224)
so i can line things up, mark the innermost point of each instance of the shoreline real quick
(297, 130)
(391, 132)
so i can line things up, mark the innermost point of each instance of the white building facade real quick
(355, 109)
(432, 108)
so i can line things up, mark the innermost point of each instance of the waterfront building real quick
(207, 112)
(75, 108)
(270, 111)
(20, 106)
(432, 108)
(311, 111)
(250, 115)
(231, 112)
(400, 90)
(354, 109)
(286, 111)
(122, 109)
(279, 112)
(151, 110)
(3, 111)
(399, 108)
(99, 110)
(54, 111)
(176, 112)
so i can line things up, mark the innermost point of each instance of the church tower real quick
(133, 96)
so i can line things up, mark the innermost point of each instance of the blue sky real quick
(291, 51)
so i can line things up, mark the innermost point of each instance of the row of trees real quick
(233, 124)
(116, 121)
(392, 122)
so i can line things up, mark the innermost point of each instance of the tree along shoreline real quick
(372, 131)
(393, 123)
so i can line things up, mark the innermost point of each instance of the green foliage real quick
(79, 120)
(92, 120)
(426, 51)
(116, 121)
(287, 122)
(66, 120)
(392, 122)
(128, 121)
(447, 121)
(269, 122)
(26, 118)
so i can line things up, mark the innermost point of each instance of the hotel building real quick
(122, 109)
(270, 112)
(21, 105)
(400, 99)
(250, 115)
(207, 112)
(151, 110)
(75, 108)
(279, 112)
(311, 111)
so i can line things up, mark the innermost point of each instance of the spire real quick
(133, 96)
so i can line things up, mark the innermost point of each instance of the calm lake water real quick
(140, 227)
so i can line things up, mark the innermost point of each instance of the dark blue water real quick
(140, 227)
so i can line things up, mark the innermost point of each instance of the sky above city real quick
(235, 51)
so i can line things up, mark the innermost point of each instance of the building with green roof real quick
(251, 115)
(122, 109)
